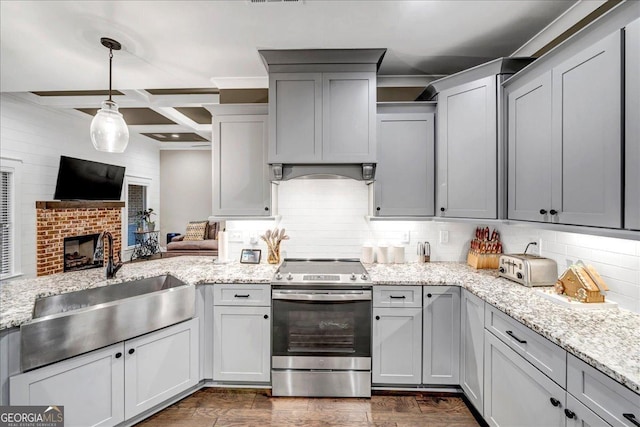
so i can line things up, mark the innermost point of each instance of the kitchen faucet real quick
(112, 268)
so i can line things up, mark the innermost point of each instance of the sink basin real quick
(70, 324)
(90, 297)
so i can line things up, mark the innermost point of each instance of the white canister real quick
(367, 254)
(382, 253)
(398, 254)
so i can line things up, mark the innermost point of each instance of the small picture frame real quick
(250, 256)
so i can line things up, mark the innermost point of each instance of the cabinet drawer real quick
(539, 351)
(606, 397)
(397, 296)
(254, 295)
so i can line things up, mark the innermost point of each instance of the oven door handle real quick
(322, 296)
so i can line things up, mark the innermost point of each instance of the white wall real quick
(38, 136)
(326, 218)
(185, 189)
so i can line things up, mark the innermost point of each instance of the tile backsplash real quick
(328, 219)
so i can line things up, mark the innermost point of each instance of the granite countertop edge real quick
(519, 302)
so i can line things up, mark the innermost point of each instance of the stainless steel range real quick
(321, 336)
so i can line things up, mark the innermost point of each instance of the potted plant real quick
(144, 217)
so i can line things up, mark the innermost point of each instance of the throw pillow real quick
(196, 230)
(212, 232)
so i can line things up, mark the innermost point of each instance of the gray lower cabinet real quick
(160, 365)
(241, 185)
(241, 335)
(632, 125)
(578, 415)
(586, 136)
(397, 346)
(325, 117)
(529, 135)
(110, 385)
(405, 178)
(466, 147)
(610, 400)
(472, 348)
(441, 332)
(515, 392)
(90, 387)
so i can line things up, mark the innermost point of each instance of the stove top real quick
(321, 272)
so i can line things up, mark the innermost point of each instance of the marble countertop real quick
(607, 339)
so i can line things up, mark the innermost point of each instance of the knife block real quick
(482, 261)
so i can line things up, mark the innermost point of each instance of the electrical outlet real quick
(405, 237)
(236, 236)
(253, 238)
(444, 236)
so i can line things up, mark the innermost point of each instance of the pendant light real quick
(109, 131)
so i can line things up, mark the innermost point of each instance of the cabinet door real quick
(397, 346)
(466, 147)
(405, 171)
(90, 387)
(579, 415)
(586, 134)
(295, 117)
(241, 343)
(516, 393)
(472, 348)
(529, 194)
(632, 124)
(160, 365)
(348, 117)
(441, 351)
(240, 171)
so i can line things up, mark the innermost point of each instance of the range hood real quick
(357, 171)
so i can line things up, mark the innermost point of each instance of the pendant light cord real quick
(110, 64)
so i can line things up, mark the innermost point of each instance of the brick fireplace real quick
(56, 221)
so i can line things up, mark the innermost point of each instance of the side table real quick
(146, 244)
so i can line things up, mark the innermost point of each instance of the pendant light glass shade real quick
(109, 131)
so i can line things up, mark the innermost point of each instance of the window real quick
(9, 221)
(137, 200)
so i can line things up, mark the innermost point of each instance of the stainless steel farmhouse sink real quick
(70, 324)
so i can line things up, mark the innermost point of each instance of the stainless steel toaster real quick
(528, 270)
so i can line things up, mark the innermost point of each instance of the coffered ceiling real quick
(178, 55)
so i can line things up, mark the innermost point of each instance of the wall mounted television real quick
(80, 179)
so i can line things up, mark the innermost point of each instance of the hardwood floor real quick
(223, 407)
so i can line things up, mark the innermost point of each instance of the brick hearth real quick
(57, 220)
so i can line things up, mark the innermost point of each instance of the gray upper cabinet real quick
(529, 135)
(295, 117)
(322, 105)
(466, 147)
(241, 185)
(632, 125)
(349, 117)
(322, 117)
(405, 170)
(586, 134)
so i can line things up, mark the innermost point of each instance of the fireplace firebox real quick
(79, 253)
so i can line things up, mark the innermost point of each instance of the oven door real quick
(321, 323)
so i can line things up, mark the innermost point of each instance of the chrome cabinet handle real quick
(632, 418)
(512, 335)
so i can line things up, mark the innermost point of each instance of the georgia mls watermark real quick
(32, 416)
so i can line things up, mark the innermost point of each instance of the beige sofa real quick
(207, 247)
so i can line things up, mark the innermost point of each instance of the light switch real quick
(444, 236)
